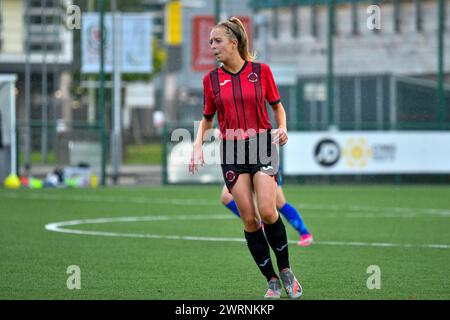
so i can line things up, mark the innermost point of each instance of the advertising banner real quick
(366, 152)
(135, 34)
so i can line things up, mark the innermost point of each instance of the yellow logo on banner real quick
(173, 23)
(357, 152)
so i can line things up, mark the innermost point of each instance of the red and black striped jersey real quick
(240, 99)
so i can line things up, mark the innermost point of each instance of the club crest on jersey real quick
(230, 175)
(252, 77)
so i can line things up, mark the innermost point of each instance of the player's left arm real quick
(280, 118)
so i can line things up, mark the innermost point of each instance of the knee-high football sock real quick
(277, 238)
(233, 207)
(294, 218)
(259, 248)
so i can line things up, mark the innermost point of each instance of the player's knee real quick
(251, 223)
(270, 219)
(268, 214)
(280, 204)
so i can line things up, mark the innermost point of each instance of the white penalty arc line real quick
(62, 227)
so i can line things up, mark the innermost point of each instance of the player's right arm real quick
(206, 124)
(209, 109)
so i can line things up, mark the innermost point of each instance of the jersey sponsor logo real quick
(224, 82)
(252, 77)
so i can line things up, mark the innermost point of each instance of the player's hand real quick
(280, 136)
(197, 156)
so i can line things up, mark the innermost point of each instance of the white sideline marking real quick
(60, 227)
(355, 211)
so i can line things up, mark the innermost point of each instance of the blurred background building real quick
(34, 35)
(382, 77)
(334, 69)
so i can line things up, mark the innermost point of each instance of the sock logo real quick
(264, 263)
(282, 247)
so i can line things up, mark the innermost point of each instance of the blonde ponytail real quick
(235, 30)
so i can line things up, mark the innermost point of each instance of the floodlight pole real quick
(116, 136)
(91, 109)
(101, 98)
(217, 10)
(44, 85)
(217, 7)
(441, 93)
(27, 93)
(12, 94)
(330, 57)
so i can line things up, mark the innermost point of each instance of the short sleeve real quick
(209, 108)
(271, 90)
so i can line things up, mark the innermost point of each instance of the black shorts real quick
(248, 156)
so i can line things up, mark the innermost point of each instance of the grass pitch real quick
(183, 244)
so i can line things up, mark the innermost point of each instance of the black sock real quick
(259, 248)
(277, 238)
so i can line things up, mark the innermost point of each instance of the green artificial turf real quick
(354, 227)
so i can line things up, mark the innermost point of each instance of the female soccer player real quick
(237, 91)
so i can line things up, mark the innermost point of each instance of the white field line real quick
(355, 211)
(62, 227)
(90, 198)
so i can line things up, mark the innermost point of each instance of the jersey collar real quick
(237, 73)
